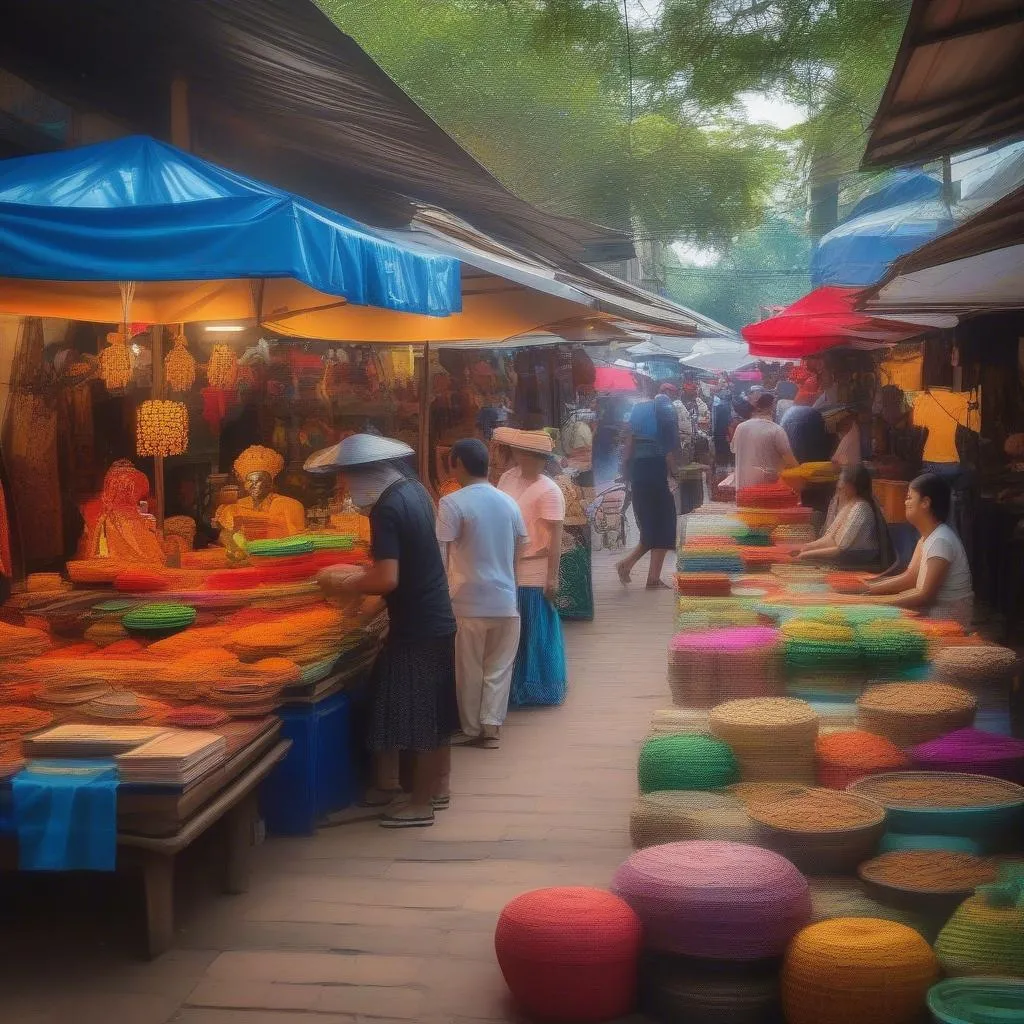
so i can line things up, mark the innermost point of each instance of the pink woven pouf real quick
(716, 900)
(710, 666)
(570, 954)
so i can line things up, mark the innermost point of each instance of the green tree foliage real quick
(541, 95)
(766, 266)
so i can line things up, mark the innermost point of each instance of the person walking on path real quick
(413, 679)
(539, 675)
(481, 530)
(651, 454)
(760, 445)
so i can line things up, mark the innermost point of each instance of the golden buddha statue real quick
(262, 513)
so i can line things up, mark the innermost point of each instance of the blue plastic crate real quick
(317, 774)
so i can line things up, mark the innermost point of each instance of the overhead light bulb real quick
(225, 328)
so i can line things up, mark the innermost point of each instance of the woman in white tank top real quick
(938, 580)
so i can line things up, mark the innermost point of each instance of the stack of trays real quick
(821, 831)
(772, 737)
(913, 713)
(173, 759)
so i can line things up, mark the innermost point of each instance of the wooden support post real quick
(158, 879)
(181, 127)
(424, 431)
(157, 336)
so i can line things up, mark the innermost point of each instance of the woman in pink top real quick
(539, 675)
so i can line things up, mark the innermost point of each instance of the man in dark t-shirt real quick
(414, 700)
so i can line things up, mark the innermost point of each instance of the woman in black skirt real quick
(414, 700)
(651, 453)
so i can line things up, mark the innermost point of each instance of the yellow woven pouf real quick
(856, 970)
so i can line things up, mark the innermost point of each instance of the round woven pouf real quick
(685, 761)
(822, 830)
(985, 936)
(853, 970)
(569, 954)
(709, 666)
(772, 737)
(843, 757)
(976, 669)
(974, 752)
(709, 991)
(913, 713)
(721, 901)
(676, 816)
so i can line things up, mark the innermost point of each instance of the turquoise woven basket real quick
(954, 844)
(977, 1001)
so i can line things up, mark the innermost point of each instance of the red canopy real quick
(826, 318)
(614, 378)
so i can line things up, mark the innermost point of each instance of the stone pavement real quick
(362, 924)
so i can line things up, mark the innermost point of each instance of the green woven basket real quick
(685, 761)
(159, 617)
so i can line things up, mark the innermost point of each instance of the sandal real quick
(442, 803)
(406, 819)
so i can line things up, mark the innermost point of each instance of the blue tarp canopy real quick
(139, 210)
(898, 218)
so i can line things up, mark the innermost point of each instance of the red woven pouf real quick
(570, 954)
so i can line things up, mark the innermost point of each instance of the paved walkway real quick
(358, 923)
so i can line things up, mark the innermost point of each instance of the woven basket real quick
(678, 816)
(835, 896)
(680, 720)
(857, 970)
(772, 738)
(913, 713)
(974, 752)
(706, 668)
(976, 668)
(977, 1001)
(685, 761)
(821, 830)
(947, 803)
(569, 954)
(932, 881)
(844, 757)
(749, 793)
(722, 901)
(980, 939)
(709, 991)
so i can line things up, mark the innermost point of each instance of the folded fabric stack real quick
(173, 759)
(710, 560)
(703, 584)
(765, 496)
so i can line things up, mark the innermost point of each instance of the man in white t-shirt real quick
(760, 445)
(481, 532)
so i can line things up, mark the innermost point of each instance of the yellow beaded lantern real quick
(116, 362)
(161, 428)
(180, 365)
(222, 371)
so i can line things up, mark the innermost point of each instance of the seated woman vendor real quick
(938, 580)
(857, 536)
(261, 513)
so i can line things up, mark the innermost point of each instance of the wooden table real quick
(154, 824)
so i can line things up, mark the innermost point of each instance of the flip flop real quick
(442, 803)
(401, 820)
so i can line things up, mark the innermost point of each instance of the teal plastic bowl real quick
(953, 844)
(1001, 814)
(977, 1001)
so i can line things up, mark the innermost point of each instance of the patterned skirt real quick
(414, 704)
(575, 582)
(539, 674)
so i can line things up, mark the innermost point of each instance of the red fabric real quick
(570, 954)
(826, 318)
(614, 378)
(281, 570)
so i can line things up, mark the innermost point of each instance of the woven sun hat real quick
(856, 970)
(821, 830)
(835, 896)
(977, 1001)
(913, 713)
(677, 816)
(685, 761)
(929, 881)
(843, 757)
(537, 442)
(974, 752)
(719, 900)
(985, 935)
(569, 954)
(695, 991)
(947, 803)
(356, 450)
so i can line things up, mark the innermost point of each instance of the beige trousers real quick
(485, 651)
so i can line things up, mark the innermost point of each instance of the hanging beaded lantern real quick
(222, 371)
(161, 428)
(116, 362)
(180, 365)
